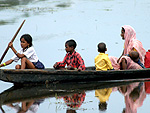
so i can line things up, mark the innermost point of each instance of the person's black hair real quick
(102, 106)
(71, 111)
(27, 38)
(101, 47)
(134, 55)
(71, 43)
(123, 29)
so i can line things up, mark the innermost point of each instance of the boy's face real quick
(68, 49)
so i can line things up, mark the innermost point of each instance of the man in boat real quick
(73, 59)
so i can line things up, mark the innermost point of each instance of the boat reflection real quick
(26, 106)
(134, 96)
(73, 95)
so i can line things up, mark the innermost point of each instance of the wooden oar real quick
(11, 41)
(2, 109)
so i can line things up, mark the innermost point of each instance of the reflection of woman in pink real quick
(134, 96)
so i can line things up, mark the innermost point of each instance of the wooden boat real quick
(35, 76)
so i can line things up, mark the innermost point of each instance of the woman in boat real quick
(29, 59)
(130, 61)
(131, 43)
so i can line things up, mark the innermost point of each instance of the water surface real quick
(52, 22)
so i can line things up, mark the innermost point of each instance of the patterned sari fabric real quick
(132, 43)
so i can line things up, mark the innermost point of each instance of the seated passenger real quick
(102, 61)
(129, 62)
(73, 59)
(134, 55)
(27, 54)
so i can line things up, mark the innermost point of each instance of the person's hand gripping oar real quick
(12, 42)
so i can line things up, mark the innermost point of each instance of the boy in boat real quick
(130, 61)
(102, 61)
(29, 59)
(73, 59)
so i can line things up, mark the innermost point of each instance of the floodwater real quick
(52, 22)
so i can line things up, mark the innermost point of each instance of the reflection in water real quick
(134, 95)
(103, 96)
(147, 87)
(74, 101)
(73, 96)
(63, 5)
(26, 106)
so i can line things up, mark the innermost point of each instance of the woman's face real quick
(24, 43)
(122, 34)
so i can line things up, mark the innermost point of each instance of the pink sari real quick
(130, 63)
(131, 42)
(114, 63)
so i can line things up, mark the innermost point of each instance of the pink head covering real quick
(131, 42)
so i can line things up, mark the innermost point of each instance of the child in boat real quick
(130, 61)
(102, 61)
(73, 59)
(29, 59)
(134, 55)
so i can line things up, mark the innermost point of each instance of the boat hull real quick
(30, 76)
